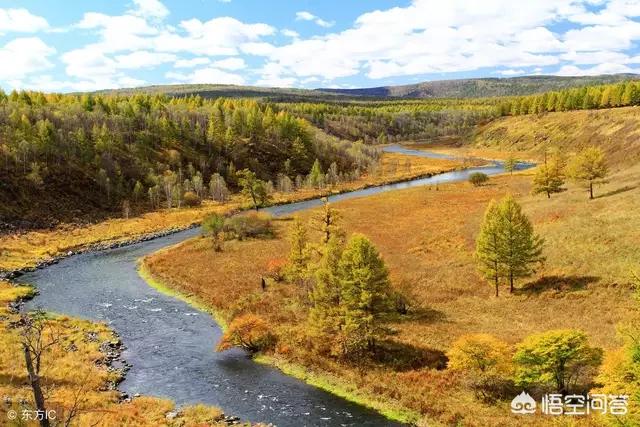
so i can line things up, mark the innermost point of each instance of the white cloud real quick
(150, 8)
(24, 56)
(290, 33)
(231, 64)
(143, 59)
(21, 21)
(190, 63)
(605, 68)
(308, 16)
(511, 72)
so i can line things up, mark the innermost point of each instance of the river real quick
(170, 344)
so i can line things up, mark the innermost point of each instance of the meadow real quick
(426, 236)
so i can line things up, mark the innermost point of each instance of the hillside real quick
(615, 130)
(483, 87)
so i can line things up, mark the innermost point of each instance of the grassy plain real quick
(426, 236)
(22, 250)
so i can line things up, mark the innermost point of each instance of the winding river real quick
(170, 344)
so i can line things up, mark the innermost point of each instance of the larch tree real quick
(365, 291)
(299, 255)
(326, 221)
(253, 188)
(519, 247)
(511, 164)
(488, 246)
(589, 168)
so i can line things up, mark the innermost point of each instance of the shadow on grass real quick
(617, 191)
(557, 283)
(405, 357)
(423, 314)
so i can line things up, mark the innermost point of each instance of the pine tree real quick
(589, 168)
(547, 180)
(511, 164)
(316, 177)
(325, 221)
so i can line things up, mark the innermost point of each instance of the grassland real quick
(75, 373)
(427, 239)
(26, 249)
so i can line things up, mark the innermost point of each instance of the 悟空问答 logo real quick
(523, 404)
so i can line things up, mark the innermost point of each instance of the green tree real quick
(316, 177)
(213, 226)
(253, 188)
(506, 247)
(589, 168)
(488, 246)
(510, 164)
(519, 247)
(299, 255)
(558, 358)
(326, 222)
(547, 181)
(364, 294)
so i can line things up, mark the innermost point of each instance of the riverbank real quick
(36, 249)
(80, 372)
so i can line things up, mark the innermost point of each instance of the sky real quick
(85, 45)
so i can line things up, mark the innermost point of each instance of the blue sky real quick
(77, 45)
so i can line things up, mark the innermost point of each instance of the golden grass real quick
(615, 130)
(426, 236)
(23, 250)
(75, 367)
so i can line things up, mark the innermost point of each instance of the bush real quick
(249, 332)
(191, 199)
(556, 360)
(251, 225)
(485, 363)
(275, 268)
(478, 178)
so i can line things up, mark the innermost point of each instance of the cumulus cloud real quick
(308, 16)
(21, 21)
(207, 75)
(26, 56)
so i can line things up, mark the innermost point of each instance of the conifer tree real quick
(299, 255)
(488, 246)
(589, 168)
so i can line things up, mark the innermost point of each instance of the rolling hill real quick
(482, 87)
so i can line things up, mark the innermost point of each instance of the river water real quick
(171, 344)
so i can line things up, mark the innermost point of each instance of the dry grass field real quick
(26, 249)
(426, 236)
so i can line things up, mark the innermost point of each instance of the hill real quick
(482, 87)
(615, 130)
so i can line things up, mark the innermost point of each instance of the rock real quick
(171, 415)
(136, 395)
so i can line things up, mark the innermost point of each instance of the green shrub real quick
(251, 225)
(191, 199)
(478, 178)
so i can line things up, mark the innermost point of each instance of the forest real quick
(72, 155)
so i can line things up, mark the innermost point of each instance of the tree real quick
(316, 177)
(325, 221)
(520, 248)
(37, 337)
(249, 332)
(488, 245)
(506, 247)
(218, 188)
(299, 256)
(485, 361)
(589, 168)
(558, 358)
(478, 178)
(253, 188)
(213, 226)
(547, 180)
(364, 293)
(511, 164)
